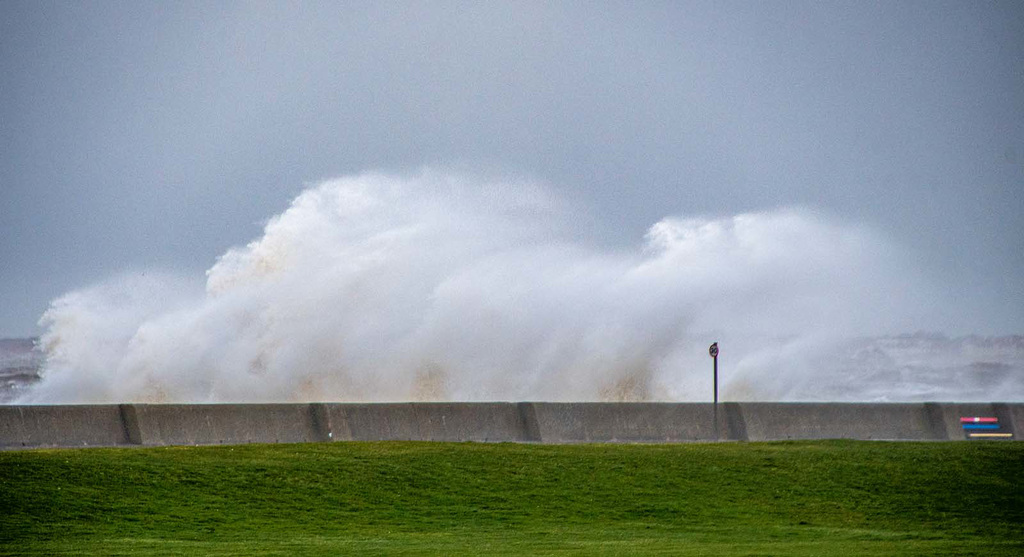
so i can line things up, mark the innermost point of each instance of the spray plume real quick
(442, 287)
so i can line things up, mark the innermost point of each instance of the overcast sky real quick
(142, 134)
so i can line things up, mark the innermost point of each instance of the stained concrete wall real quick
(912, 422)
(212, 424)
(525, 422)
(62, 426)
(625, 422)
(488, 421)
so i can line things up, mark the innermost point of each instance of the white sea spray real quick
(439, 286)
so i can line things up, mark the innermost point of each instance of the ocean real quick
(20, 364)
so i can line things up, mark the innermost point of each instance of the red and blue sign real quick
(982, 427)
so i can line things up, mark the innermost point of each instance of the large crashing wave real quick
(441, 287)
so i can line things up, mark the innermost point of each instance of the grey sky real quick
(141, 134)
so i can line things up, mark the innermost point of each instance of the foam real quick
(445, 287)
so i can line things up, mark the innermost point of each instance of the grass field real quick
(795, 498)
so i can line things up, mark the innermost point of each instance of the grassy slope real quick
(413, 498)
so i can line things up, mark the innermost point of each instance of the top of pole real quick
(713, 350)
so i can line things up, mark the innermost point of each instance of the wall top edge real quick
(498, 402)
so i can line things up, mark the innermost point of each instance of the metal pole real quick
(716, 380)
(716, 398)
(713, 352)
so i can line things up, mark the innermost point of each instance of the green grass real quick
(798, 498)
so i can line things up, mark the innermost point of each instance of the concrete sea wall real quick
(522, 422)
